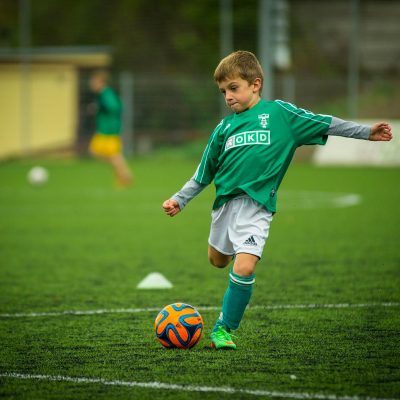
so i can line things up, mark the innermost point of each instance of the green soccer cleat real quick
(222, 340)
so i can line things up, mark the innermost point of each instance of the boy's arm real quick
(189, 190)
(179, 200)
(203, 176)
(110, 101)
(380, 131)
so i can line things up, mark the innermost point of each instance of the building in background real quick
(40, 97)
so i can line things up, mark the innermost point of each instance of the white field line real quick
(186, 388)
(210, 308)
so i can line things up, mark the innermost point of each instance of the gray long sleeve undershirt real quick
(338, 127)
(190, 189)
(348, 129)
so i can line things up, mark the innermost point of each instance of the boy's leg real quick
(245, 264)
(218, 259)
(239, 291)
(240, 227)
(121, 169)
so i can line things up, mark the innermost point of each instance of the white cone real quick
(155, 280)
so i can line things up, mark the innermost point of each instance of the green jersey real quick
(249, 153)
(109, 108)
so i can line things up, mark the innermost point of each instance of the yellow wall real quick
(38, 108)
(10, 99)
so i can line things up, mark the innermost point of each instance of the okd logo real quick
(248, 139)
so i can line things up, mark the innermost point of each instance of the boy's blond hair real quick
(101, 74)
(239, 63)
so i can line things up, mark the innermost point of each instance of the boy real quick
(106, 142)
(247, 156)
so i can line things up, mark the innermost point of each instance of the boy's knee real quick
(216, 262)
(245, 264)
(218, 259)
(244, 270)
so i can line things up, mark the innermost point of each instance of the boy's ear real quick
(257, 84)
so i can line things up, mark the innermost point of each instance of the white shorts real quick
(240, 226)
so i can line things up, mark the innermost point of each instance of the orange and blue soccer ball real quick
(178, 325)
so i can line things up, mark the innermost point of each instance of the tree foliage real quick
(145, 35)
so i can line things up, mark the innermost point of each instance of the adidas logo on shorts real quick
(250, 241)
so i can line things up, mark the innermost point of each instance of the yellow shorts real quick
(105, 145)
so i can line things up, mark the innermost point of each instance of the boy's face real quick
(239, 94)
(96, 84)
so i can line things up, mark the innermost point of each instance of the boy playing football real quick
(247, 156)
(106, 143)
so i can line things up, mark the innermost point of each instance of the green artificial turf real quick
(79, 244)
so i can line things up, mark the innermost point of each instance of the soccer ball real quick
(178, 325)
(38, 176)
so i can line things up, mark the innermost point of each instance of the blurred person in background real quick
(106, 143)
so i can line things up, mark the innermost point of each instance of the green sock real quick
(235, 301)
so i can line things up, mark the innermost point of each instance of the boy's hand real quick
(171, 207)
(381, 131)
